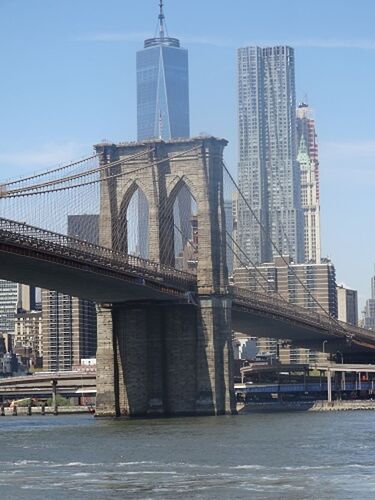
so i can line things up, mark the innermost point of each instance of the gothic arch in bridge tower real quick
(176, 183)
(133, 219)
(181, 210)
(128, 188)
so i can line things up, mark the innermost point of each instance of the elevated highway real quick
(68, 384)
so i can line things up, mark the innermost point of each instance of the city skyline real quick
(163, 212)
(327, 70)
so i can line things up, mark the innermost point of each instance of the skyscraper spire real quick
(161, 32)
(161, 21)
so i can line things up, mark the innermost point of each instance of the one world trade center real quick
(163, 113)
(162, 87)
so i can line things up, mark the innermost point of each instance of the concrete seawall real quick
(48, 410)
(318, 406)
(342, 405)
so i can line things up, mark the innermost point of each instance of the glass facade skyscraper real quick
(269, 174)
(163, 113)
(162, 87)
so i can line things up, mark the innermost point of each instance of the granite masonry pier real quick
(168, 357)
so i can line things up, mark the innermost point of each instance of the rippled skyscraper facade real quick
(269, 175)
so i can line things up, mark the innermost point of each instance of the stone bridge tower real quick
(170, 358)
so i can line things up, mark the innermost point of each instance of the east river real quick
(260, 456)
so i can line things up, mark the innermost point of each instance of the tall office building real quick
(69, 330)
(162, 87)
(163, 112)
(369, 312)
(14, 297)
(310, 204)
(306, 129)
(69, 323)
(309, 164)
(28, 336)
(308, 285)
(347, 305)
(269, 175)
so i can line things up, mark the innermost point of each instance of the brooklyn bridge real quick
(166, 308)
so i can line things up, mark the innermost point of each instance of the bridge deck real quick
(57, 262)
(49, 260)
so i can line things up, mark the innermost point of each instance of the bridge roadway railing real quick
(23, 235)
(272, 304)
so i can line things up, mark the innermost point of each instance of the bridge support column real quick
(107, 404)
(173, 358)
(137, 330)
(215, 395)
(165, 359)
(329, 386)
(180, 359)
(156, 358)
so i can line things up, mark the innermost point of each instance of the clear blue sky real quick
(68, 81)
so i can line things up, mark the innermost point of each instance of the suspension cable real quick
(96, 181)
(254, 267)
(48, 172)
(276, 248)
(247, 267)
(76, 176)
(188, 240)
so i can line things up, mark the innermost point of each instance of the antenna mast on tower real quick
(161, 32)
(161, 20)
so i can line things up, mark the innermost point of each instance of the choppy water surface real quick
(279, 456)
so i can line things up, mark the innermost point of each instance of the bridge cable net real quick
(258, 278)
(36, 202)
(66, 201)
(62, 194)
